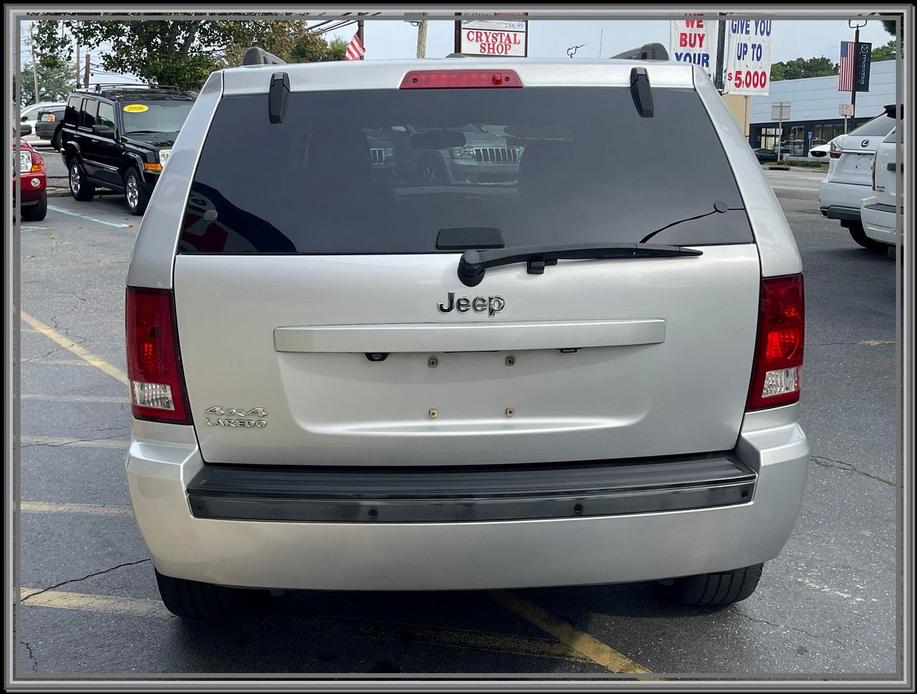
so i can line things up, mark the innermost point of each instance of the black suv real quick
(120, 137)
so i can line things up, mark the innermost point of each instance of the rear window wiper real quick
(473, 264)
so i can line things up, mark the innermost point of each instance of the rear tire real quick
(135, 194)
(714, 589)
(80, 187)
(36, 212)
(859, 235)
(200, 601)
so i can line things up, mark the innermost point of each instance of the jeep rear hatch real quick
(320, 324)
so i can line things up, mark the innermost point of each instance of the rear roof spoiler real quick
(648, 51)
(255, 55)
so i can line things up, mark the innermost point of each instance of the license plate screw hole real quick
(432, 362)
(510, 361)
(433, 413)
(510, 412)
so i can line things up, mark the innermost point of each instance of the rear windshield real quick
(383, 171)
(880, 125)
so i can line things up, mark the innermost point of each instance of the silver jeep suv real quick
(341, 380)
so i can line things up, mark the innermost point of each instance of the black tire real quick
(200, 601)
(714, 590)
(36, 212)
(56, 138)
(859, 235)
(135, 194)
(80, 187)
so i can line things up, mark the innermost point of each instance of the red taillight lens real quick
(778, 352)
(874, 171)
(153, 360)
(834, 151)
(460, 79)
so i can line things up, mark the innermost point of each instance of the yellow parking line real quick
(70, 441)
(567, 634)
(92, 509)
(436, 636)
(107, 604)
(74, 348)
(54, 362)
(50, 397)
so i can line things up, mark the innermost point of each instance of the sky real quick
(386, 39)
(550, 39)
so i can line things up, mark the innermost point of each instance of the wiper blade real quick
(473, 264)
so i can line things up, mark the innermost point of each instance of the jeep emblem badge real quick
(492, 304)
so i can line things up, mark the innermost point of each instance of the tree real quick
(289, 40)
(800, 68)
(180, 52)
(886, 52)
(55, 81)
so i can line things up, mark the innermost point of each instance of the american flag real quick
(355, 48)
(845, 75)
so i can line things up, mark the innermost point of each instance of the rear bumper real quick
(879, 221)
(841, 200)
(164, 459)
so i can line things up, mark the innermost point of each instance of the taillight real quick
(874, 170)
(779, 347)
(834, 151)
(153, 360)
(460, 79)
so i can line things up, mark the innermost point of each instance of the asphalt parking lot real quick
(826, 605)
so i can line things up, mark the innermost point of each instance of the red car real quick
(33, 196)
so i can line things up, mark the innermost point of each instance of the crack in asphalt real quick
(841, 465)
(72, 441)
(32, 657)
(779, 626)
(77, 580)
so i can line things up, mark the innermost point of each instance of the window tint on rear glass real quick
(90, 106)
(72, 114)
(877, 126)
(383, 171)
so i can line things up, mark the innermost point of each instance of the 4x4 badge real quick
(492, 304)
(252, 418)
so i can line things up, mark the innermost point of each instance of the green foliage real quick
(289, 40)
(889, 26)
(800, 68)
(54, 82)
(886, 52)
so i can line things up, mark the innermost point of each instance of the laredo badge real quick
(219, 416)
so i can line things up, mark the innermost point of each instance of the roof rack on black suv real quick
(119, 136)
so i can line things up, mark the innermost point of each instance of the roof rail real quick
(648, 51)
(255, 55)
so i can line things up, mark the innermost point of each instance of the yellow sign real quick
(136, 108)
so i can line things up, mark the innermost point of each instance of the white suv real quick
(344, 378)
(850, 173)
(879, 211)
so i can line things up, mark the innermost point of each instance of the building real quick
(814, 109)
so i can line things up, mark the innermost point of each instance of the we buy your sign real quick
(694, 41)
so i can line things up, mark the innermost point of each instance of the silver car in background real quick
(589, 373)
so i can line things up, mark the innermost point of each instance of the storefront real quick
(815, 110)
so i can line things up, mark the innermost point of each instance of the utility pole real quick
(601, 39)
(855, 24)
(422, 38)
(77, 62)
(34, 62)
(86, 72)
